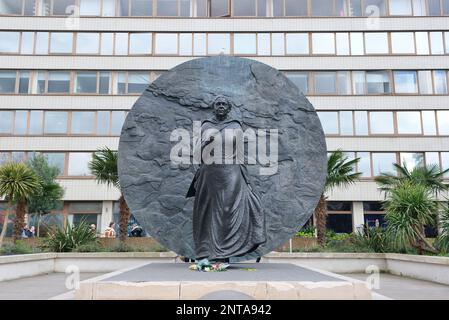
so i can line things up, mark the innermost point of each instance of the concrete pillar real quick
(106, 215)
(357, 216)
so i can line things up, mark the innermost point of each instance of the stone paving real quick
(52, 285)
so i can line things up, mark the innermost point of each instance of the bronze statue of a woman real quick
(228, 219)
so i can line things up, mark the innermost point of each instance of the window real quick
(344, 82)
(166, 43)
(342, 40)
(440, 82)
(138, 82)
(141, 8)
(297, 43)
(58, 82)
(364, 165)
(185, 44)
(322, 8)
(409, 122)
(358, 82)
(107, 40)
(376, 43)
(6, 122)
(123, 8)
(277, 46)
(86, 82)
(245, 8)
(432, 158)
(357, 43)
(186, 7)
(340, 216)
(108, 8)
(42, 42)
(20, 122)
(436, 43)
(329, 122)
(383, 163)
(264, 44)
(400, 7)
(422, 43)
(9, 42)
(201, 8)
(199, 44)
(120, 83)
(55, 122)
(443, 122)
(355, 8)
(434, 7)
(378, 82)
(36, 122)
(27, 43)
(445, 162)
(121, 44)
(167, 8)
(104, 84)
(296, 8)
(219, 8)
(325, 82)
(419, 8)
(218, 43)
(118, 117)
(412, 160)
(56, 160)
(405, 82)
(87, 43)
(374, 8)
(89, 212)
(90, 7)
(361, 123)
(7, 81)
(425, 82)
(103, 122)
(78, 164)
(61, 42)
(10, 7)
(83, 122)
(381, 122)
(446, 7)
(140, 43)
(402, 43)
(63, 7)
(300, 79)
(428, 119)
(244, 43)
(346, 123)
(323, 43)
(446, 41)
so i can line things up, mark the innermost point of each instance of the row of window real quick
(362, 123)
(371, 164)
(79, 82)
(200, 44)
(377, 82)
(38, 122)
(382, 82)
(226, 8)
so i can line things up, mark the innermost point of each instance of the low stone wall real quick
(435, 269)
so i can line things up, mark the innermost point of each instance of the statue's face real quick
(221, 108)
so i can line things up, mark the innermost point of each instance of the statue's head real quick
(222, 106)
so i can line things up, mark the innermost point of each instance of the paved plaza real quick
(53, 286)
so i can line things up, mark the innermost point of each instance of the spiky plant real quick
(340, 173)
(408, 209)
(442, 241)
(18, 183)
(104, 166)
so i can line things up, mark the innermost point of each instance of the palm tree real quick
(340, 173)
(408, 209)
(430, 177)
(18, 183)
(104, 166)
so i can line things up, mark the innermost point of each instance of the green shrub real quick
(374, 239)
(17, 248)
(69, 238)
(90, 247)
(442, 241)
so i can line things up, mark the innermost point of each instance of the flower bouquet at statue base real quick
(206, 266)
